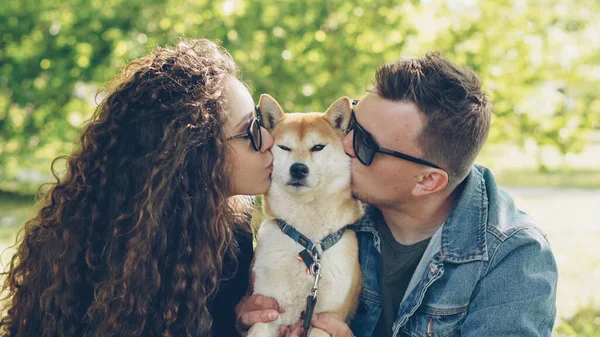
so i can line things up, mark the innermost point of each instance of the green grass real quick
(585, 179)
(585, 323)
(8, 200)
(15, 209)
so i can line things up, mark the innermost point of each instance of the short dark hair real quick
(456, 110)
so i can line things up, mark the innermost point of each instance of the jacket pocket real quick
(435, 322)
(367, 314)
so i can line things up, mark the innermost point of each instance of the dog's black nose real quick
(299, 171)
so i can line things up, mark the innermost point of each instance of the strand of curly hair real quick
(132, 239)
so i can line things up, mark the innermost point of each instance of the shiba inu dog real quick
(309, 202)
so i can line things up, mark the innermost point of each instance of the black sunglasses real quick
(253, 132)
(366, 147)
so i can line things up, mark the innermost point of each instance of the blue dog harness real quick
(312, 252)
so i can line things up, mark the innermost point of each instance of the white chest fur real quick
(282, 276)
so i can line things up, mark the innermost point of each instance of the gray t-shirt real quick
(398, 264)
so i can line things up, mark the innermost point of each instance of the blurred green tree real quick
(539, 60)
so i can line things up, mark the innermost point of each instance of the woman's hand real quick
(255, 309)
(330, 323)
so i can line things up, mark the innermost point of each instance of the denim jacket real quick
(487, 271)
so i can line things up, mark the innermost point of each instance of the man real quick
(443, 250)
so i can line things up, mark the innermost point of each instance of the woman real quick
(144, 234)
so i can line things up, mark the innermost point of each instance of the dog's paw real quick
(316, 332)
(263, 330)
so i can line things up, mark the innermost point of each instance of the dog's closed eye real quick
(284, 148)
(317, 148)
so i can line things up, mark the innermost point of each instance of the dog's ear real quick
(270, 111)
(339, 114)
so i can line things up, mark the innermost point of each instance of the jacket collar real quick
(463, 233)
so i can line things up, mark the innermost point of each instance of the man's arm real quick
(517, 295)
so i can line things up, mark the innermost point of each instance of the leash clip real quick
(315, 269)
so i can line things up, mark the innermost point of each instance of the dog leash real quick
(311, 299)
(311, 256)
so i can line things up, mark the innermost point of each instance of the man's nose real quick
(347, 142)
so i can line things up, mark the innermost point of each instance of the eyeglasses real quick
(366, 147)
(253, 132)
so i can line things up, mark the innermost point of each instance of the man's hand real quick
(331, 323)
(255, 309)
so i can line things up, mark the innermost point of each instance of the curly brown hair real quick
(131, 240)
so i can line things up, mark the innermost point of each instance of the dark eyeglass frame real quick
(370, 143)
(254, 126)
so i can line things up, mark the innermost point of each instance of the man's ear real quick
(434, 180)
(339, 114)
(270, 111)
